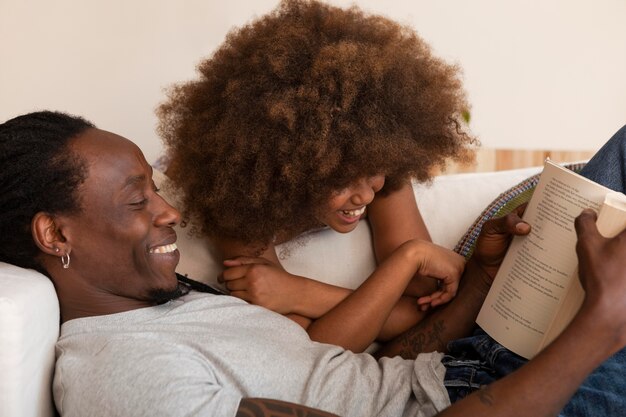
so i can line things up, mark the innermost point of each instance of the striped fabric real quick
(501, 206)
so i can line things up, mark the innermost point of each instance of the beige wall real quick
(541, 74)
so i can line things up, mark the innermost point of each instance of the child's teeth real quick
(354, 213)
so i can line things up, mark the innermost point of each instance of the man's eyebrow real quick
(134, 180)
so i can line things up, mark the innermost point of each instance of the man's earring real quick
(65, 260)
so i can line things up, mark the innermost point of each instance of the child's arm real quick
(354, 319)
(394, 219)
(358, 319)
(260, 279)
(262, 282)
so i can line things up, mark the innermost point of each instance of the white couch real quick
(29, 310)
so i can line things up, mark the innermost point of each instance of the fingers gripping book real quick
(536, 292)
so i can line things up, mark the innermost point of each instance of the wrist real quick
(598, 317)
(414, 251)
(298, 288)
(477, 277)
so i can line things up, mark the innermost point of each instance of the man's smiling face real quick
(122, 241)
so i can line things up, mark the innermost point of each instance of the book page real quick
(536, 272)
(611, 221)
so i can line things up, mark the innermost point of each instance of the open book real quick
(536, 292)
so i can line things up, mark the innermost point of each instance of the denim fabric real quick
(475, 361)
(603, 393)
(608, 167)
(479, 360)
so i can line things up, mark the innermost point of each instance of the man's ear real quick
(47, 235)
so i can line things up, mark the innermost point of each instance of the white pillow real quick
(29, 329)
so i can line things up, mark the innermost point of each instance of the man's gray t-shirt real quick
(200, 354)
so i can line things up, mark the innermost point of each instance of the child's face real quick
(346, 206)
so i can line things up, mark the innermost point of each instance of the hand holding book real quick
(536, 292)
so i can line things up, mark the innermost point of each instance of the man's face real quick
(122, 243)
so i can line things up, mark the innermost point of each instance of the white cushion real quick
(451, 204)
(29, 328)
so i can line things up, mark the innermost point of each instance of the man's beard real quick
(160, 296)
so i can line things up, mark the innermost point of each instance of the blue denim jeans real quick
(479, 360)
(608, 165)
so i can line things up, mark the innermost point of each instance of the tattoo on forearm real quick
(422, 339)
(484, 395)
(262, 407)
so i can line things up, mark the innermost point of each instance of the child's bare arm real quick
(395, 218)
(259, 278)
(358, 320)
(312, 304)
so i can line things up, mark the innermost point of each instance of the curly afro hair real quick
(301, 103)
(39, 173)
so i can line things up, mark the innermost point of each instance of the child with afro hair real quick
(313, 116)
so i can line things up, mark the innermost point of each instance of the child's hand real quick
(444, 265)
(261, 282)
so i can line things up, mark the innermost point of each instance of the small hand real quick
(444, 265)
(261, 282)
